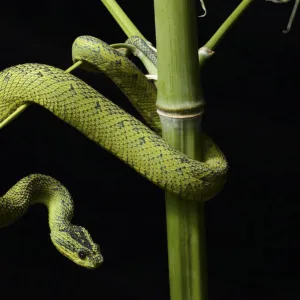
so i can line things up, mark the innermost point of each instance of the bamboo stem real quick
(179, 93)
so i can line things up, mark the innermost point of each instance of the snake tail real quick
(142, 46)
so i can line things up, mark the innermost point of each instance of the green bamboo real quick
(20, 110)
(179, 97)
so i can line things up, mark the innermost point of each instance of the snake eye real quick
(82, 254)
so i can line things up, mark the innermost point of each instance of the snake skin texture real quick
(143, 47)
(103, 122)
(97, 56)
(79, 105)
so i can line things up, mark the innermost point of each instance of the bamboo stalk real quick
(180, 94)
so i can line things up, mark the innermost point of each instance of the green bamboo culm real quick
(180, 105)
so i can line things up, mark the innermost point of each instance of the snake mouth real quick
(95, 263)
(99, 262)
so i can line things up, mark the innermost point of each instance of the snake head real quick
(75, 243)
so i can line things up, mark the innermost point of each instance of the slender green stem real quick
(17, 112)
(129, 47)
(122, 19)
(179, 97)
(74, 66)
(292, 16)
(14, 115)
(220, 33)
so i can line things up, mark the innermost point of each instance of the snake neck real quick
(57, 199)
(37, 188)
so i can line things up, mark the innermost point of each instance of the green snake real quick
(103, 122)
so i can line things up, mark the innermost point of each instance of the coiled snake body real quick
(79, 105)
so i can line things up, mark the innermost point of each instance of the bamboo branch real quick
(122, 19)
(208, 49)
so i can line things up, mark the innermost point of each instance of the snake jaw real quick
(91, 261)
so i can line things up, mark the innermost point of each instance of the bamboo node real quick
(175, 115)
(206, 51)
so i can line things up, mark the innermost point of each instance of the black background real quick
(251, 91)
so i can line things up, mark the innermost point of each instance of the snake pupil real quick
(82, 254)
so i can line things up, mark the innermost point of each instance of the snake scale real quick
(103, 122)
